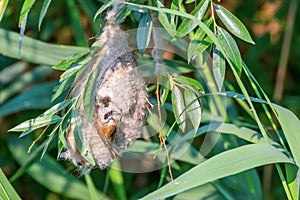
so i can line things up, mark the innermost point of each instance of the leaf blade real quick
(233, 24)
(222, 165)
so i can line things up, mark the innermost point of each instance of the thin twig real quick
(162, 143)
(285, 51)
(37, 139)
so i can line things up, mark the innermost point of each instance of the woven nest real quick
(120, 102)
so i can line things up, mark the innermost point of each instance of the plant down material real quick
(120, 99)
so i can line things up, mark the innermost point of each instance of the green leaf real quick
(89, 91)
(48, 172)
(290, 126)
(193, 108)
(49, 140)
(91, 187)
(74, 16)
(45, 7)
(178, 107)
(23, 20)
(36, 123)
(218, 67)
(27, 5)
(57, 107)
(166, 88)
(143, 33)
(69, 60)
(189, 82)
(35, 51)
(187, 25)
(11, 73)
(206, 191)
(197, 47)
(35, 97)
(293, 179)
(233, 24)
(103, 8)
(3, 7)
(230, 49)
(90, 8)
(222, 165)
(7, 192)
(24, 79)
(116, 177)
(80, 136)
(164, 20)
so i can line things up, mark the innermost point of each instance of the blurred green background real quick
(71, 23)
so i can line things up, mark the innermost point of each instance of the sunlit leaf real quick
(230, 49)
(293, 179)
(68, 61)
(189, 82)
(165, 89)
(45, 7)
(290, 125)
(36, 123)
(80, 137)
(91, 187)
(222, 165)
(164, 20)
(35, 51)
(103, 8)
(233, 24)
(7, 192)
(143, 33)
(3, 6)
(218, 67)
(89, 91)
(193, 109)
(187, 25)
(178, 107)
(116, 177)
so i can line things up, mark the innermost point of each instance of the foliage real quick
(249, 130)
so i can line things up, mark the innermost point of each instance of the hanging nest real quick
(120, 101)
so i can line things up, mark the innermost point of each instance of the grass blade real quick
(222, 165)
(7, 192)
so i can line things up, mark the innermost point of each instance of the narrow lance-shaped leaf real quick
(117, 180)
(164, 20)
(187, 25)
(3, 5)
(224, 164)
(218, 67)
(291, 128)
(178, 107)
(166, 88)
(45, 7)
(80, 136)
(26, 7)
(194, 108)
(6, 189)
(103, 8)
(143, 33)
(36, 123)
(89, 91)
(293, 179)
(189, 82)
(233, 24)
(230, 49)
